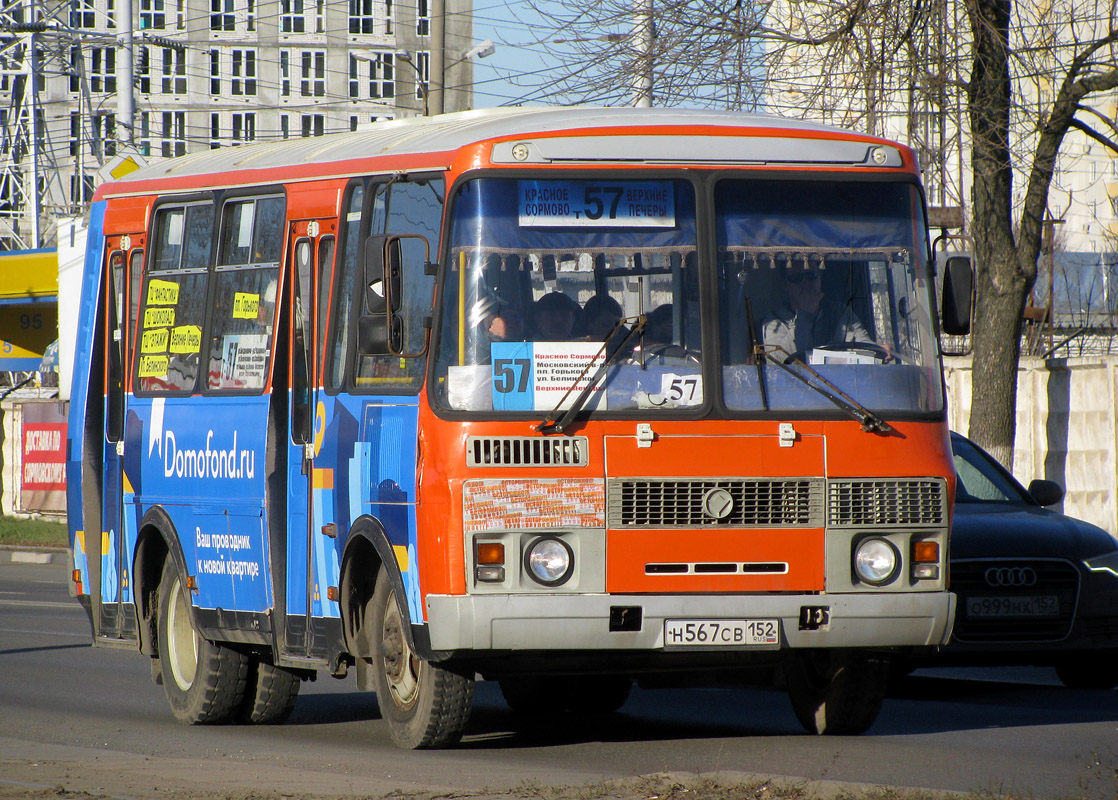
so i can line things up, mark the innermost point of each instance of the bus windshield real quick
(558, 285)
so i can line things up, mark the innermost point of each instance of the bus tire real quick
(204, 681)
(423, 704)
(587, 695)
(836, 692)
(270, 693)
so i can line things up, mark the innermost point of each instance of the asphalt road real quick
(89, 719)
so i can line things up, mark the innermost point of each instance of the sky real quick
(518, 68)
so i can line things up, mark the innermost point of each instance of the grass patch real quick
(33, 532)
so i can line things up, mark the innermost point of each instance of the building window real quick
(153, 15)
(360, 16)
(104, 130)
(233, 16)
(422, 18)
(215, 73)
(102, 69)
(244, 127)
(313, 124)
(75, 133)
(423, 65)
(313, 76)
(320, 16)
(215, 130)
(243, 82)
(173, 139)
(83, 14)
(180, 15)
(388, 18)
(143, 69)
(285, 126)
(285, 73)
(376, 71)
(292, 18)
(222, 17)
(173, 76)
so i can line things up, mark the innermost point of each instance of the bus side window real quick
(415, 208)
(246, 282)
(114, 362)
(169, 301)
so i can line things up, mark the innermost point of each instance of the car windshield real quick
(979, 479)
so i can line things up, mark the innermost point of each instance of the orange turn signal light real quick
(925, 552)
(490, 553)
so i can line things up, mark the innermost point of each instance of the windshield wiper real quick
(555, 423)
(869, 421)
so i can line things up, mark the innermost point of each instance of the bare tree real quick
(988, 90)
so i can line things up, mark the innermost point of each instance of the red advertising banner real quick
(43, 471)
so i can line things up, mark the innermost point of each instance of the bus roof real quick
(440, 138)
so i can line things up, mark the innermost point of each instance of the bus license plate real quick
(720, 632)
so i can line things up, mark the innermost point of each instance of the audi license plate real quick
(720, 632)
(1045, 605)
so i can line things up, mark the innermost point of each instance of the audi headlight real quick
(549, 561)
(875, 561)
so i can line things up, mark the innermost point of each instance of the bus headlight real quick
(549, 561)
(875, 561)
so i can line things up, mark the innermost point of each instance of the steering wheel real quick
(660, 354)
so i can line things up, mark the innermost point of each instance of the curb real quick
(32, 555)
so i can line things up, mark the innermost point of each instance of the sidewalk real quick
(19, 554)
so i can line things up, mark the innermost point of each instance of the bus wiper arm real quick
(869, 421)
(553, 422)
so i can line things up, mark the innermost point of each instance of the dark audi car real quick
(1034, 586)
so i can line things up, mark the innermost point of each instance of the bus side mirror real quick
(958, 294)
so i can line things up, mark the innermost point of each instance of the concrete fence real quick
(1067, 429)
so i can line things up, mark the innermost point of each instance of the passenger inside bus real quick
(805, 318)
(556, 318)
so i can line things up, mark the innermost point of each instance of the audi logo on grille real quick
(1010, 576)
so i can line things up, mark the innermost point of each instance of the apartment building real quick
(204, 74)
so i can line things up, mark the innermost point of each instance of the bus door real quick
(116, 614)
(312, 257)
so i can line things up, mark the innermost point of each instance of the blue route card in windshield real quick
(535, 376)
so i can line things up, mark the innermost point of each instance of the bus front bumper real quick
(582, 622)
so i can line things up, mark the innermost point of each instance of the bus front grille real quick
(737, 503)
(875, 502)
(526, 451)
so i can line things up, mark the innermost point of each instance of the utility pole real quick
(435, 92)
(125, 75)
(643, 35)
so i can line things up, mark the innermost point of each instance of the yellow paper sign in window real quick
(153, 366)
(163, 293)
(159, 317)
(245, 305)
(186, 339)
(154, 341)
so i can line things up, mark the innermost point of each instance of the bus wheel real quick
(537, 695)
(423, 704)
(270, 693)
(204, 681)
(836, 692)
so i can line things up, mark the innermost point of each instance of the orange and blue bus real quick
(564, 398)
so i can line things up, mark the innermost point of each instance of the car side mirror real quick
(1047, 493)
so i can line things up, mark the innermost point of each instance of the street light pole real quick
(438, 56)
(406, 57)
(125, 75)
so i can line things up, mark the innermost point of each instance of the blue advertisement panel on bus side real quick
(202, 460)
(364, 465)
